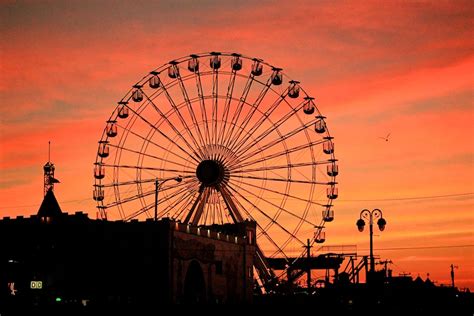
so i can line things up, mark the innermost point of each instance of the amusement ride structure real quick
(242, 142)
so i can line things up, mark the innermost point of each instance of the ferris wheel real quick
(223, 138)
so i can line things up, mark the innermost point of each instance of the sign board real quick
(36, 285)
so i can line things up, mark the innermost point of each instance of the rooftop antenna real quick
(48, 168)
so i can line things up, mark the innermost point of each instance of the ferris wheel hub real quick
(210, 172)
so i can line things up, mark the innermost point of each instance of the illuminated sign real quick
(36, 285)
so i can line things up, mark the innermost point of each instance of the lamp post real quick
(371, 216)
(158, 184)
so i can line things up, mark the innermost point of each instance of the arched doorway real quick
(194, 285)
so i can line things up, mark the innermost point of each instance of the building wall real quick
(117, 263)
(226, 262)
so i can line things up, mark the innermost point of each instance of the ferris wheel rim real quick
(127, 99)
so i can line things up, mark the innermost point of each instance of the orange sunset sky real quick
(375, 67)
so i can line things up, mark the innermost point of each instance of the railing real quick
(339, 249)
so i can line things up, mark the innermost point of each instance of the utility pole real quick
(157, 186)
(308, 265)
(452, 274)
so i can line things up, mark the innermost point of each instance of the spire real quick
(49, 207)
(49, 179)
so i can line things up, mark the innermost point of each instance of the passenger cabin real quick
(328, 147)
(236, 62)
(173, 70)
(332, 193)
(122, 110)
(328, 215)
(308, 106)
(193, 64)
(99, 171)
(154, 82)
(103, 151)
(320, 236)
(215, 61)
(137, 94)
(332, 170)
(294, 89)
(111, 128)
(257, 68)
(277, 77)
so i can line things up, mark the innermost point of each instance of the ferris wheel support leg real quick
(201, 205)
(191, 211)
(229, 202)
(264, 272)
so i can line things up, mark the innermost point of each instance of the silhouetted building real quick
(57, 258)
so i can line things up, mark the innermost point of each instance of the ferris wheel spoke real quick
(287, 166)
(245, 163)
(162, 134)
(203, 106)
(272, 220)
(148, 168)
(182, 190)
(276, 141)
(191, 111)
(249, 115)
(278, 250)
(181, 119)
(277, 206)
(123, 183)
(281, 193)
(215, 93)
(262, 230)
(240, 105)
(281, 179)
(273, 127)
(176, 203)
(228, 99)
(141, 211)
(180, 211)
(135, 214)
(146, 193)
(152, 205)
(196, 149)
(150, 155)
(264, 116)
(274, 156)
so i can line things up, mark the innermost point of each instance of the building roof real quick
(50, 206)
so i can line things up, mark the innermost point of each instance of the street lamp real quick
(158, 184)
(371, 216)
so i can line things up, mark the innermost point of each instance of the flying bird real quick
(386, 138)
